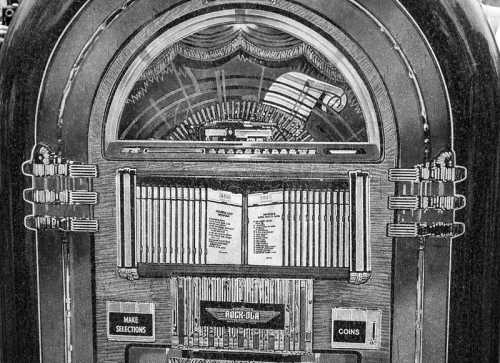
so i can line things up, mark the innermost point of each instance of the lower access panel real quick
(163, 354)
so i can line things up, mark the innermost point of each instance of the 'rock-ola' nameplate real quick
(242, 315)
(131, 321)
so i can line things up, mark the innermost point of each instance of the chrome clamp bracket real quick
(61, 192)
(426, 200)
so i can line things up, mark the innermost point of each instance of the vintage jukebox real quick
(238, 181)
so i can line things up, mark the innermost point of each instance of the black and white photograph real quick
(250, 181)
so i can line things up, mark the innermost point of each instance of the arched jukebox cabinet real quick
(241, 181)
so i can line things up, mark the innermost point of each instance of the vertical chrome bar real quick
(303, 316)
(204, 329)
(225, 334)
(218, 297)
(175, 306)
(309, 322)
(241, 296)
(367, 222)
(150, 225)
(360, 222)
(318, 248)
(281, 300)
(248, 298)
(303, 227)
(271, 340)
(254, 343)
(119, 220)
(181, 312)
(161, 223)
(173, 224)
(284, 301)
(168, 225)
(208, 297)
(144, 224)
(242, 335)
(340, 228)
(185, 225)
(192, 228)
(66, 267)
(188, 252)
(177, 226)
(358, 238)
(289, 328)
(292, 227)
(203, 225)
(196, 224)
(156, 225)
(193, 311)
(296, 300)
(420, 301)
(197, 286)
(291, 295)
(331, 249)
(286, 239)
(128, 218)
(277, 300)
(220, 330)
(347, 228)
(220, 334)
(192, 299)
(137, 222)
(323, 252)
(336, 231)
(211, 297)
(214, 298)
(234, 297)
(261, 300)
(266, 301)
(366, 246)
(310, 228)
(186, 311)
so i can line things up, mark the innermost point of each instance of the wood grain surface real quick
(375, 294)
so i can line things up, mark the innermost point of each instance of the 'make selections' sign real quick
(130, 321)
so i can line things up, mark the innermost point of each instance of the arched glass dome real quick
(225, 80)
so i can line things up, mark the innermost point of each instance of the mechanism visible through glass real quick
(242, 82)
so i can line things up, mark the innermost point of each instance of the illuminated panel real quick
(254, 88)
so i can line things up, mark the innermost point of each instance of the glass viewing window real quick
(266, 86)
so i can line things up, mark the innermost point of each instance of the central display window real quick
(321, 226)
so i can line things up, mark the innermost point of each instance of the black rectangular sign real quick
(349, 331)
(242, 315)
(130, 324)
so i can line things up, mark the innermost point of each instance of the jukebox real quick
(239, 181)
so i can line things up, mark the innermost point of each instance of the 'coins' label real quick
(349, 331)
(244, 315)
